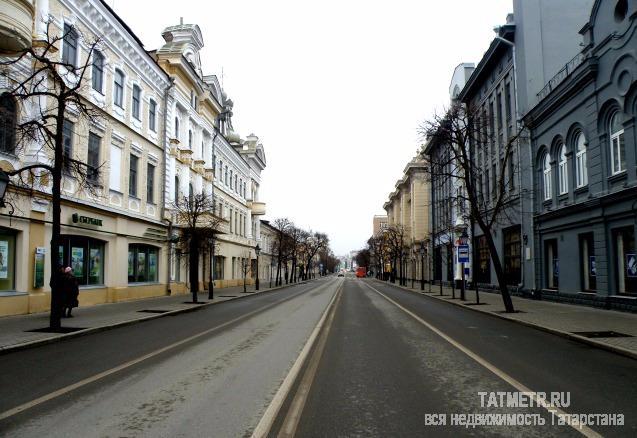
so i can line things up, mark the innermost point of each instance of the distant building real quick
(379, 224)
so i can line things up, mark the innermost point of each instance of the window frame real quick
(547, 175)
(150, 183)
(93, 164)
(152, 115)
(136, 102)
(617, 138)
(581, 164)
(97, 72)
(563, 170)
(8, 123)
(70, 32)
(133, 175)
(147, 250)
(119, 88)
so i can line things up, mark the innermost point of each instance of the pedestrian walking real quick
(71, 292)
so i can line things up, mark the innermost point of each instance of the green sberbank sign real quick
(86, 220)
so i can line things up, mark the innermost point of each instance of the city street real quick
(334, 357)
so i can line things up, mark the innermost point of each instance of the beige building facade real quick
(163, 131)
(408, 208)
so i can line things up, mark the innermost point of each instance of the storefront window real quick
(142, 263)
(218, 268)
(512, 255)
(626, 260)
(483, 259)
(552, 265)
(7, 260)
(588, 264)
(85, 256)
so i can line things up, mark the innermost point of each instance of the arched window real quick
(189, 139)
(547, 177)
(8, 116)
(176, 189)
(581, 172)
(617, 147)
(177, 128)
(191, 194)
(563, 171)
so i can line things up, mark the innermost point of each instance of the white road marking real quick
(584, 430)
(267, 420)
(103, 374)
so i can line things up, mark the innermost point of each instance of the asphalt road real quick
(217, 385)
(383, 361)
(382, 371)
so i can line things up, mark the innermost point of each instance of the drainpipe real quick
(163, 200)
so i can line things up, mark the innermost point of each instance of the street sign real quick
(463, 253)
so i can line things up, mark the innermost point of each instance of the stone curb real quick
(87, 331)
(612, 348)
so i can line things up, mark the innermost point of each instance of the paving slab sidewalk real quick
(562, 319)
(15, 331)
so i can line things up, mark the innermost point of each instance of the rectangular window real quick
(142, 263)
(137, 96)
(551, 264)
(132, 176)
(507, 102)
(218, 268)
(118, 97)
(588, 265)
(499, 107)
(93, 157)
(67, 139)
(7, 260)
(116, 166)
(152, 115)
(625, 260)
(69, 46)
(85, 256)
(512, 255)
(150, 183)
(618, 153)
(97, 75)
(494, 187)
(511, 171)
(483, 259)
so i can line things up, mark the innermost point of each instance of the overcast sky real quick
(334, 89)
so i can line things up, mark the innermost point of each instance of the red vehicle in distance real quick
(361, 272)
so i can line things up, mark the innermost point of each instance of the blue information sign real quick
(463, 253)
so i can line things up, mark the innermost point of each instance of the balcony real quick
(258, 208)
(16, 22)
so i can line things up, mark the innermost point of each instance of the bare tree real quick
(313, 243)
(466, 134)
(281, 247)
(394, 241)
(47, 88)
(197, 228)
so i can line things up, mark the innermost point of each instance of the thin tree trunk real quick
(499, 273)
(194, 269)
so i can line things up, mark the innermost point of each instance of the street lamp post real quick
(413, 267)
(422, 265)
(257, 250)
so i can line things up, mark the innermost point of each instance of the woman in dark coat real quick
(71, 292)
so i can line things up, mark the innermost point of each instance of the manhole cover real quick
(603, 334)
(505, 312)
(153, 311)
(60, 330)
(475, 304)
(190, 302)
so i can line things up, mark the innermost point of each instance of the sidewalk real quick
(15, 330)
(567, 320)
